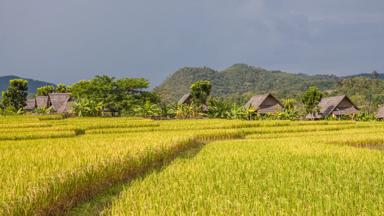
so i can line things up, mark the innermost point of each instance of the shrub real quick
(85, 107)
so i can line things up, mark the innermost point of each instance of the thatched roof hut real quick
(380, 113)
(60, 102)
(43, 102)
(186, 99)
(30, 104)
(337, 106)
(266, 103)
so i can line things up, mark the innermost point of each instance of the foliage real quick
(116, 95)
(16, 94)
(43, 110)
(289, 104)
(187, 111)
(218, 108)
(148, 109)
(166, 111)
(367, 93)
(45, 90)
(364, 116)
(62, 88)
(8, 111)
(86, 107)
(311, 99)
(237, 112)
(200, 91)
(221, 108)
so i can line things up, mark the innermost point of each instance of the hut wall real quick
(270, 109)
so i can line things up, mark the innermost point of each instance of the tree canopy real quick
(115, 95)
(45, 90)
(200, 91)
(311, 99)
(16, 95)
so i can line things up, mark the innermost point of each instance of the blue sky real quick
(68, 40)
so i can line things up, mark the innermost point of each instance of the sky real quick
(63, 41)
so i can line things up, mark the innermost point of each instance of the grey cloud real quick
(63, 41)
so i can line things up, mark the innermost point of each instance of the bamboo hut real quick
(335, 106)
(61, 102)
(43, 102)
(186, 99)
(30, 104)
(266, 103)
(380, 113)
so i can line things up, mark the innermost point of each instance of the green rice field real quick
(132, 166)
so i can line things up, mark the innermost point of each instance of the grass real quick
(130, 166)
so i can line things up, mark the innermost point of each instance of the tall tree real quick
(200, 91)
(16, 94)
(311, 99)
(116, 95)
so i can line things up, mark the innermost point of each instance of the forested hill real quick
(241, 80)
(32, 84)
(380, 76)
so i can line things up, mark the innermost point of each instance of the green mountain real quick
(240, 81)
(32, 84)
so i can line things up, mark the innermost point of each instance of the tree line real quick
(105, 95)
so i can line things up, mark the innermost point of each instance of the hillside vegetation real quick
(241, 80)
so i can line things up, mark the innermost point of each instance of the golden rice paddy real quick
(53, 166)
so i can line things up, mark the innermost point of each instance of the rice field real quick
(131, 166)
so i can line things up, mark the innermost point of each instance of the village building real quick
(335, 106)
(61, 102)
(186, 99)
(43, 102)
(380, 113)
(266, 103)
(30, 104)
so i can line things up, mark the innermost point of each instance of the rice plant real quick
(287, 167)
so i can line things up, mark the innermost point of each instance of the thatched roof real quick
(30, 104)
(337, 105)
(266, 103)
(60, 102)
(42, 102)
(380, 113)
(186, 99)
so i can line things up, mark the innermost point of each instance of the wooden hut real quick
(186, 99)
(30, 105)
(335, 106)
(266, 103)
(380, 113)
(61, 102)
(43, 102)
